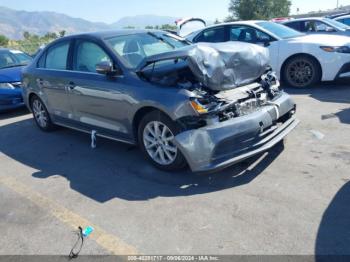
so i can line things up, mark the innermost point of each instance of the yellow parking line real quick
(107, 241)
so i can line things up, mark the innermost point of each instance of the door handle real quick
(71, 85)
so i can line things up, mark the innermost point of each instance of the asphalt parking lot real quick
(291, 200)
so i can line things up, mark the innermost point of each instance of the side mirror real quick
(106, 68)
(267, 43)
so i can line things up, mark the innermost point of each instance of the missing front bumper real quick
(216, 147)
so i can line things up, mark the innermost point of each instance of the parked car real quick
(281, 19)
(11, 64)
(318, 25)
(299, 60)
(146, 87)
(345, 19)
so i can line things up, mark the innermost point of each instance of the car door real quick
(98, 101)
(52, 80)
(252, 35)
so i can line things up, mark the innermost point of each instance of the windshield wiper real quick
(161, 39)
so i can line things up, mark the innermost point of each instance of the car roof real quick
(113, 33)
(338, 15)
(248, 22)
(253, 23)
(303, 19)
(341, 17)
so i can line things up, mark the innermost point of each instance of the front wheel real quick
(156, 134)
(301, 72)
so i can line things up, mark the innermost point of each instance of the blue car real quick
(11, 64)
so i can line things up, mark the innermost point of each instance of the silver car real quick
(204, 106)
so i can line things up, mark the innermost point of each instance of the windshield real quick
(279, 30)
(13, 58)
(337, 24)
(133, 49)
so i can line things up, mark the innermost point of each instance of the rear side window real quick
(87, 56)
(214, 35)
(295, 26)
(55, 57)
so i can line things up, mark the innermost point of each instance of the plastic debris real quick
(317, 134)
(87, 231)
(78, 246)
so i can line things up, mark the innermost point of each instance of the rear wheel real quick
(156, 134)
(301, 71)
(41, 115)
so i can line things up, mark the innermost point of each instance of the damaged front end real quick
(239, 109)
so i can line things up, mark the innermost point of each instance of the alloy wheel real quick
(158, 141)
(301, 73)
(40, 113)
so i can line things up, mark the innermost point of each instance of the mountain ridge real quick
(13, 23)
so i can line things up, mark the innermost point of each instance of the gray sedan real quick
(139, 87)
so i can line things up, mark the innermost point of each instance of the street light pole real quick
(337, 4)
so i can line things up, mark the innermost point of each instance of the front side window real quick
(316, 26)
(56, 57)
(213, 35)
(248, 34)
(87, 56)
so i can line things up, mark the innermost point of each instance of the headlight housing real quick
(199, 106)
(6, 86)
(336, 49)
(204, 105)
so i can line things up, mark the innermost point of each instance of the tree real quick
(216, 21)
(258, 9)
(168, 27)
(149, 27)
(50, 35)
(62, 33)
(26, 35)
(3, 40)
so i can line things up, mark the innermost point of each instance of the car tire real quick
(301, 72)
(41, 115)
(156, 132)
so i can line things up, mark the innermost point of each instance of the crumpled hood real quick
(224, 66)
(11, 74)
(321, 39)
(220, 66)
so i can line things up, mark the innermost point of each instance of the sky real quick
(110, 11)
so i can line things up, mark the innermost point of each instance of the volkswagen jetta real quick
(206, 105)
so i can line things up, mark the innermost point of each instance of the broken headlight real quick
(204, 105)
(270, 83)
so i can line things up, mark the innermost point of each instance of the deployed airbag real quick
(223, 66)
